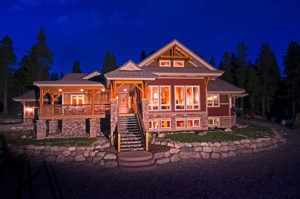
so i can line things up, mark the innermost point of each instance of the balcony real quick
(65, 111)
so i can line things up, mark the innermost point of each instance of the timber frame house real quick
(171, 90)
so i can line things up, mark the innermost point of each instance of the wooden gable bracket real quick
(206, 80)
(173, 56)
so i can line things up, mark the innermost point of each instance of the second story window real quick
(177, 63)
(166, 63)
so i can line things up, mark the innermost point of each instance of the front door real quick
(123, 102)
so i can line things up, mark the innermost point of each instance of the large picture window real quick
(159, 97)
(187, 97)
(77, 99)
(213, 100)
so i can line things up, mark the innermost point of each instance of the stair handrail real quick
(142, 129)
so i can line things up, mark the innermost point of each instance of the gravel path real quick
(269, 174)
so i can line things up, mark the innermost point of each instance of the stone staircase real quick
(131, 138)
(136, 161)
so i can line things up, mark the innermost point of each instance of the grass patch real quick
(15, 138)
(250, 131)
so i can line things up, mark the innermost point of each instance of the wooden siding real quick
(223, 110)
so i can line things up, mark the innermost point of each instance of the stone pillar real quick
(113, 116)
(53, 126)
(98, 126)
(145, 106)
(41, 128)
(93, 127)
(28, 120)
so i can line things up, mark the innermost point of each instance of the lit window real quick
(153, 124)
(196, 123)
(165, 124)
(179, 97)
(77, 99)
(180, 123)
(213, 121)
(159, 100)
(213, 100)
(193, 123)
(165, 98)
(178, 63)
(190, 123)
(164, 63)
(192, 97)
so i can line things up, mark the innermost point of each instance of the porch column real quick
(113, 116)
(41, 100)
(145, 104)
(93, 127)
(52, 103)
(41, 128)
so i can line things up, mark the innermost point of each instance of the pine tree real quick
(61, 75)
(292, 71)
(44, 56)
(143, 55)
(76, 67)
(212, 61)
(226, 66)
(54, 76)
(269, 76)
(113, 62)
(7, 58)
(110, 63)
(253, 88)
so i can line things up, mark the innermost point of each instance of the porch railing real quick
(144, 133)
(70, 109)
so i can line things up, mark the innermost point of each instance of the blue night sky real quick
(84, 30)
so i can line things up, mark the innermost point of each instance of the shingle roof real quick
(218, 85)
(157, 69)
(31, 95)
(73, 76)
(139, 73)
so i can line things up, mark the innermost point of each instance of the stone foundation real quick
(53, 126)
(145, 104)
(73, 128)
(179, 115)
(113, 116)
(28, 120)
(41, 129)
(227, 121)
(94, 127)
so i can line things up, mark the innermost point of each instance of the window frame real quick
(77, 99)
(176, 109)
(160, 104)
(178, 127)
(165, 60)
(213, 121)
(168, 120)
(159, 98)
(181, 61)
(193, 105)
(151, 99)
(152, 124)
(218, 95)
(193, 123)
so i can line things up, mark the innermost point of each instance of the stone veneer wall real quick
(179, 115)
(95, 154)
(73, 128)
(216, 150)
(16, 127)
(227, 121)
(113, 116)
(145, 106)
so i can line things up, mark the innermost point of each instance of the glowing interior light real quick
(60, 90)
(28, 109)
(81, 90)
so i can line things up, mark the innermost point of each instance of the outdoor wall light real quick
(28, 109)
(60, 90)
(103, 89)
(81, 90)
(125, 89)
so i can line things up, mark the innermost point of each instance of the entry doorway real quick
(123, 102)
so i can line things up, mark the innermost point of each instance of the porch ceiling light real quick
(125, 89)
(103, 90)
(29, 109)
(81, 89)
(60, 90)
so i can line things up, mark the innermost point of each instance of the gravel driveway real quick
(269, 174)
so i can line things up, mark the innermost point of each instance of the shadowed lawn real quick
(250, 131)
(16, 138)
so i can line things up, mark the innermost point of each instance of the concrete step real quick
(136, 156)
(136, 161)
(139, 168)
(133, 149)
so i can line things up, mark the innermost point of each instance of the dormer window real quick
(177, 63)
(165, 63)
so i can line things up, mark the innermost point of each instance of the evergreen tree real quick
(143, 55)
(61, 75)
(269, 76)
(7, 58)
(113, 62)
(76, 67)
(292, 71)
(212, 61)
(110, 63)
(54, 76)
(226, 66)
(253, 88)
(44, 56)
(23, 79)
(152, 52)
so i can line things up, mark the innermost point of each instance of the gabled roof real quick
(31, 95)
(221, 86)
(130, 71)
(91, 75)
(69, 80)
(183, 71)
(181, 46)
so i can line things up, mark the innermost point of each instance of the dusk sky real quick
(84, 30)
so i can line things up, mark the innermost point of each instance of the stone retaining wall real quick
(16, 127)
(95, 154)
(214, 150)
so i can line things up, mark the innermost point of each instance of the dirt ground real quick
(269, 174)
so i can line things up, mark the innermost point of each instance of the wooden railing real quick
(69, 109)
(144, 133)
